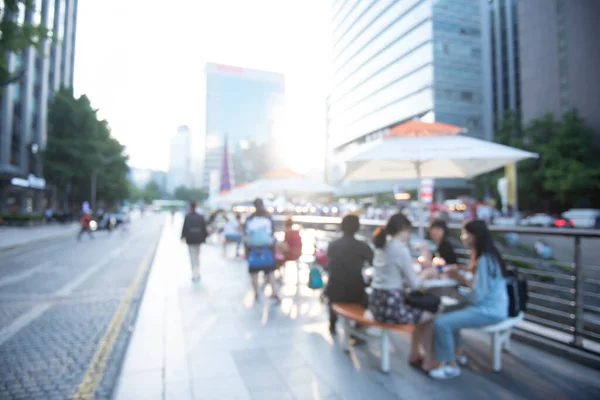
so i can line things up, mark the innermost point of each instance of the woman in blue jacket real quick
(488, 298)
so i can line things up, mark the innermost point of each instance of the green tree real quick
(151, 192)
(567, 171)
(569, 162)
(189, 194)
(79, 145)
(17, 35)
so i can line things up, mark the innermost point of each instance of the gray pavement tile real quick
(219, 389)
(205, 366)
(178, 391)
(268, 394)
(250, 355)
(312, 389)
(140, 385)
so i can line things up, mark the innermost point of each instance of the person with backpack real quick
(489, 299)
(194, 233)
(259, 241)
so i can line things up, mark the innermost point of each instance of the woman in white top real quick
(232, 232)
(393, 277)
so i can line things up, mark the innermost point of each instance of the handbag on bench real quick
(423, 301)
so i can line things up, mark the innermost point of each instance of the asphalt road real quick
(562, 248)
(65, 310)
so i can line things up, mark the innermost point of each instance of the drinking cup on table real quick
(439, 263)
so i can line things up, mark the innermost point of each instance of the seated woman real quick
(393, 274)
(346, 259)
(291, 247)
(488, 298)
(438, 232)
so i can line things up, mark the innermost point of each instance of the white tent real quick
(292, 185)
(416, 150)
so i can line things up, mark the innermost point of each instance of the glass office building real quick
(244, 107)
(24, 104)
(396, 60)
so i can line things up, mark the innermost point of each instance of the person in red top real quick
(85, 225)
(291, 247)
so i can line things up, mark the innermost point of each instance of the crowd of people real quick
(435, 344)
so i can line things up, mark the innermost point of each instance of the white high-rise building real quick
(394, 61)
(180, 160)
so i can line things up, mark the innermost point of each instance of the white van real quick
(582, 217)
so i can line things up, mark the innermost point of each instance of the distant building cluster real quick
(243, 108)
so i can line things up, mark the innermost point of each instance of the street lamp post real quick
(93, 191)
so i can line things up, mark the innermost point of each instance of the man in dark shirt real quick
(194, 233)
(346, 259)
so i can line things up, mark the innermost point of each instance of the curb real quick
(132, 316)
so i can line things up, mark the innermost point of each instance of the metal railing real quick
(564, 297)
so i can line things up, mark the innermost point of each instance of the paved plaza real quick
(212, 341)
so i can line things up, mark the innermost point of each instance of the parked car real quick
(582, 217)
(539, 220)
(563, 223)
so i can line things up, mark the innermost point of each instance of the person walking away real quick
(49, 213)
(194, 233)
(291, 247)
(346, 258)
(258, 231)
(488, 298)
(233, 234)
(86, 220)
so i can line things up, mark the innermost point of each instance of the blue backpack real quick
(261, 257)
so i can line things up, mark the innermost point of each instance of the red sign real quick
(229, 68)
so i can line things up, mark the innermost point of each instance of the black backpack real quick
(516, 286)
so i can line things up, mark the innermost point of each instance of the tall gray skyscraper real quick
(500, 30)
(400, 60)
(24, 105)
(559, 58)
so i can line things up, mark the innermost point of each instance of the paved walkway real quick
(212, 341)
(14, 236)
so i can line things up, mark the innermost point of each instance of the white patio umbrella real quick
(413, 151)
(278, 185)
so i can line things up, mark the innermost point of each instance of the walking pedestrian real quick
(260, 248)
(86, 220)
(194, 233)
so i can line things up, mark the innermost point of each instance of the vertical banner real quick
(427, 191)
(510, 172)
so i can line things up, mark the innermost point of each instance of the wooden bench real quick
(500, 333)
(355, 312)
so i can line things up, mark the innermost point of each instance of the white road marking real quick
(14, 278)
(9, 331)
(22, 321)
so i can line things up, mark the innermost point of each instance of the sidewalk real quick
(15, 236)
(212, 341)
